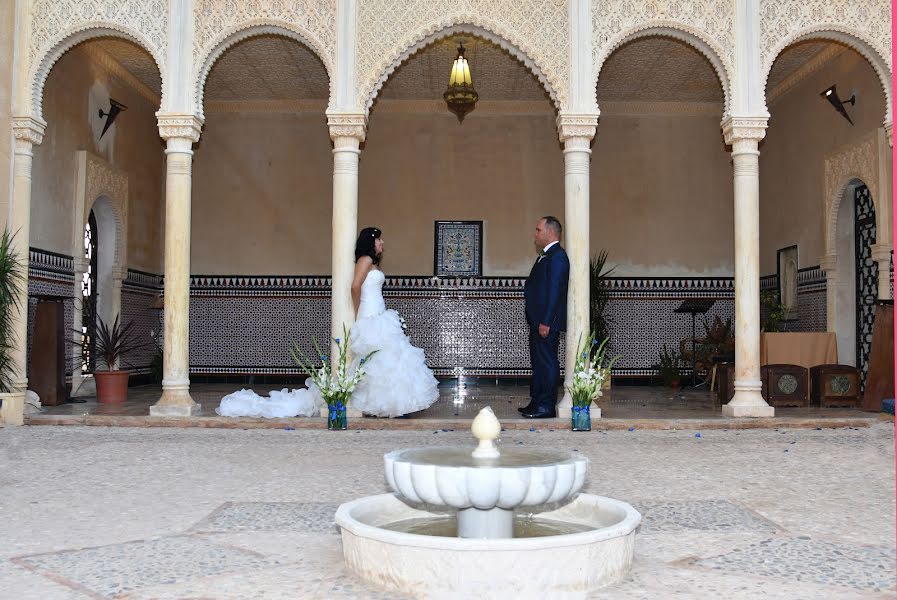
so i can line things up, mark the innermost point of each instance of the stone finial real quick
(486, 428)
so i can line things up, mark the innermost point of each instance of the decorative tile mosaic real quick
(304, 517)
(718, 515)
(811, 290)
(109, 571)
(803, 559)
(53, 274)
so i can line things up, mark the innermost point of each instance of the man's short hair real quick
(553, 224)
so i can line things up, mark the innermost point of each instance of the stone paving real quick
(133, 513)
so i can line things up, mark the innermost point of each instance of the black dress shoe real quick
(541, 413)
(528, 408)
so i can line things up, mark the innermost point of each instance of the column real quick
(81, 386)
(28, 132)
(744, 135)
(576, 132)
(829, 265)
(347, 130)
(881, 253)
(180, 131)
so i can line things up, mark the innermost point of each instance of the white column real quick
(881, 253)
(347, 130)
(744, 135)
(576, 132)
(829, 265)
(180, 131)
(81, 386)
(28, 132)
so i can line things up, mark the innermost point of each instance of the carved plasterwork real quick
(28, 130)
(177, 125)
(864, 25)
(857, 161)
(58, 25)
(98, 181)
(389, 31)
(708, 25)
(347, 125)
(572, 126)
(219, 24)
(744, 128)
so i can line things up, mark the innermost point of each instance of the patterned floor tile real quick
(868, 568)
(108, 571)
(717, 515)
(306, 517)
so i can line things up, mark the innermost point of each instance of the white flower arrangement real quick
(402, 321)
(589, 372)
(336, 388)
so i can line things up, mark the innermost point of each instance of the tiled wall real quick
(246, 325)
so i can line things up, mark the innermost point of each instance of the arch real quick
(67, 40)
(852, 39)
(689, 35)
(857, 161)
(243, 31)
(429, 35)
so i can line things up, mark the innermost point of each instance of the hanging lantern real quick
(460, 96)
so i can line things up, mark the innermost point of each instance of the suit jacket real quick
(545, 291)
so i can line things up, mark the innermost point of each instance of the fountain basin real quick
(428, 566)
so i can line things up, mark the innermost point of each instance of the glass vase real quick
(582, 420)
(336, 416)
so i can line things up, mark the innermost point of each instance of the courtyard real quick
(143, 513)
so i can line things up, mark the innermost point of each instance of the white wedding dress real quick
(396, 381)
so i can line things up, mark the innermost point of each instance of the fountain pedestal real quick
(489, 524)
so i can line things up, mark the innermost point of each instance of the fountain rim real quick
(394, 456)
(345, 520)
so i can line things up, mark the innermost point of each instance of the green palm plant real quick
(599, 296)
(12, 277)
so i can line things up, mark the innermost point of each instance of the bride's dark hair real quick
(365, 244)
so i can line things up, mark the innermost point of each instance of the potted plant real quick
(589, 375)
(12, 276)
(772, 312)
(670, 367)
(335, 388)
(111, 345)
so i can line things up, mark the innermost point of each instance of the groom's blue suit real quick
(545, 294)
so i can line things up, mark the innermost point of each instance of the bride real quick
(396, 381)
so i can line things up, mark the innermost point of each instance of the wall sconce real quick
(115, 107)
(831, 94)
(460, 96)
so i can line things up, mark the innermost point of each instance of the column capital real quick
(576, 125)
(179, 125)
(119, 274)
(344, 124)
(80, 265)
(881, 252)
(744, 128)
(828, 263)
(28, 130)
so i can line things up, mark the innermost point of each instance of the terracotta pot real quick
(674, 383)
(112, 386)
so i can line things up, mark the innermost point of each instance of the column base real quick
(12, 413)
(748, 403)
(175, 403)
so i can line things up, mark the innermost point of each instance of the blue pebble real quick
(532, 428)
(289, 428)
(697, 435)
(632, 429)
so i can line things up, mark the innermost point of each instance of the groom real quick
(546, 313)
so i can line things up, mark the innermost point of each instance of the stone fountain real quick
(488, 524)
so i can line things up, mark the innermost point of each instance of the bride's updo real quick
(365, 244)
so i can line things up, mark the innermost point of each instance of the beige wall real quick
(803, 129)
(662, 196)
(262, 191)
(7, 42)
(262, 195)
(75, 90)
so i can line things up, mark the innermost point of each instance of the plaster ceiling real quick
(653, 69)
